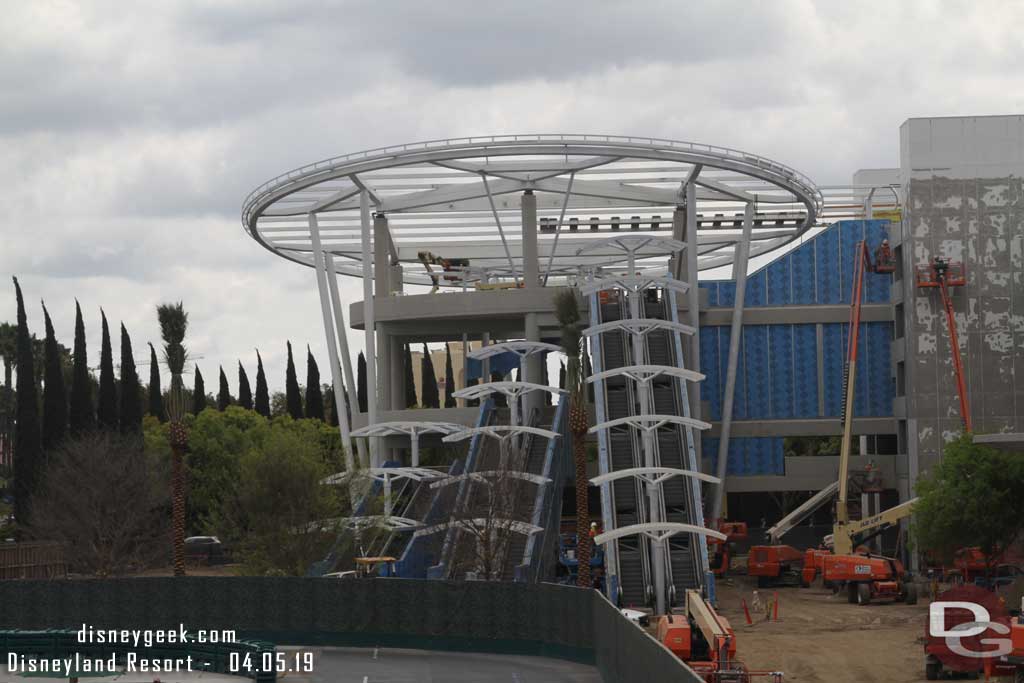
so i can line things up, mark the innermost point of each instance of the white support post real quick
(346, 357)
(369, 323)
(693, 304)
(414, 439)
(332, 347)
(735, 335)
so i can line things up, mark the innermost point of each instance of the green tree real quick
(106, 403)
(428, 381)
(224, 398)
(973, 497)
(314, 395)
(262, 400)
(55, 400)
(291, 388)
(27, 440)
(410, 380)
(244, 391)
(273, 512)
(567, 312)
(81, 417)
(173, 326)
(156, 402)
(8, 351)
(198, 393)
(130, 416)
(449, 378)
(361, 382)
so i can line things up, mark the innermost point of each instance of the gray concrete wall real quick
(963, 200)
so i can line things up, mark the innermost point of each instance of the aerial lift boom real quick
(943, 274)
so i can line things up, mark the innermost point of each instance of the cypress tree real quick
(561, 375)
(106, 403)
(130, 414)
(314, 394)
(244, 392)
(27, 443)
(331, 407)
(361, 382)
(198, 393)
(261, 403)
(428, 381)
(223, 392)
(410, 380)
(500, 400)
(472, 402)
(545, 378)
(81, 417)
(449, 378)
(55, 400)
(156, 399)
(291, 388)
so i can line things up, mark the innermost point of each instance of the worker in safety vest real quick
(883, 255)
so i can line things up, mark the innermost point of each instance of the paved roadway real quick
(370, 665)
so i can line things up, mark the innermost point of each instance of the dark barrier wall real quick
(536, 619)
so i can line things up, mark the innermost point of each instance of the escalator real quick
(671, 452)
(628, 497)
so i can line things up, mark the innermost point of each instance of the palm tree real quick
(567, 312)
(173, 325)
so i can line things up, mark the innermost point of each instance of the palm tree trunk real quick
(178, 439)
(579, 456)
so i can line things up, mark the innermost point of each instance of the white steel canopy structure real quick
(410, 429)
(461, 195)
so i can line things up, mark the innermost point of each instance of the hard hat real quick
(885, 241)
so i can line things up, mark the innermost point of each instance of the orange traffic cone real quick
(775, 607)
(746, 614)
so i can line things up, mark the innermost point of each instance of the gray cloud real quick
(131, 132)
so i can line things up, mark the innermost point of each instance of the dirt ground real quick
(821, 637)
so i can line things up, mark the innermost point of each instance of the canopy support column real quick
(332, 347)
(735, 338)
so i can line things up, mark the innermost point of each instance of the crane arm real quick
(843, 535)
(783, 526)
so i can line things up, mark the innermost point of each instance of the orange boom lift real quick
(943, 274)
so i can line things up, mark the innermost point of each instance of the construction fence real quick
(40, 560)
(509, 618)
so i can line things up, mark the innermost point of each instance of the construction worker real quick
(593, 530)
(883, 257)
(940, 266)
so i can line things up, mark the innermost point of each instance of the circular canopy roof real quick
(460, 199)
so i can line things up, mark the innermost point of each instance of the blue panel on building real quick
(726, 293)
(804, 279)
(827, 266)
(850, 233)
(755, 363)
(711, 389)
(879, 352)
(712, 289)
(805, 370)
(779, 282)
(780, 353)
(709, 453)
(756, 289)
(736, 464)
(834, 353)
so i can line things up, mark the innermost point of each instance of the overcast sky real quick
(130, 132)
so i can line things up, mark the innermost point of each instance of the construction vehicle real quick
(1016, 657)
(775, 565)
(721, 551)
(942, 274)
(814, 566)
(706, 642)
(868, 577)
(965, 657)
(450, 266)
